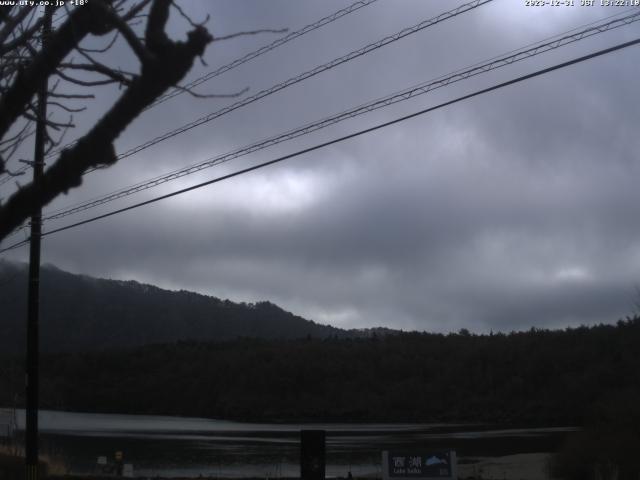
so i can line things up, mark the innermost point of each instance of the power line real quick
(421, 89)
(293, 80)
(341, 139)
(266, 48)
(305, 75)
(251, 55)
(21, 228)
(8, 176)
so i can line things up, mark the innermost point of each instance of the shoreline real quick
(523, 466)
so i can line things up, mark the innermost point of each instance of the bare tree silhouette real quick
(66, 59)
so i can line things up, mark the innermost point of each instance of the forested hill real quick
(83, 313)
(536, 377)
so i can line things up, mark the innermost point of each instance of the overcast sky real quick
(515, 209)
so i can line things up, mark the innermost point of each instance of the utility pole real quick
(33, 297)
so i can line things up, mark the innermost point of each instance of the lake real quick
(190, 447)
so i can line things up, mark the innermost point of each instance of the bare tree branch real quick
(84, 83)
(6, 171)
(135, 10)
(169, 62)
(71, 95)
(66, 108)
(99, 67)
(16, 136)
(251, 32)
(57, 142)
(155, 37)
(61, 43)
(11, 23)
(129, 35)
(24, 37)
(187, 17)
(50, 123)
(105, 48)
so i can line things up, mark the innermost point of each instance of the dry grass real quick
(55, 465)
(525, 466)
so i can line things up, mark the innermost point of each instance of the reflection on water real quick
(71, 421)
(189, 447)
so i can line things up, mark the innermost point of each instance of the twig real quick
(188, 18)
(107, 47)
(68, 109)
(70, 95)
(84, 83)
(250, 32)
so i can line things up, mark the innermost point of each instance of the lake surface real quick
(190, 447)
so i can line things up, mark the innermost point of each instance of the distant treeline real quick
(538, 377)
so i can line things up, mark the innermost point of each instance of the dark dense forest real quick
(538, 377)
(80, 313)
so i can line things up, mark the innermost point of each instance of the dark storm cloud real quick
(512, 210)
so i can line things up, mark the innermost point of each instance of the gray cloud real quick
(512, 210)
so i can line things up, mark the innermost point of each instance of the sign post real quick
(312, 454)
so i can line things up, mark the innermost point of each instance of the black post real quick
(33, 297)
(312, 454)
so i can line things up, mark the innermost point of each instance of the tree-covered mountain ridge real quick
(537, 377)
(80, 313)
(151, 351)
